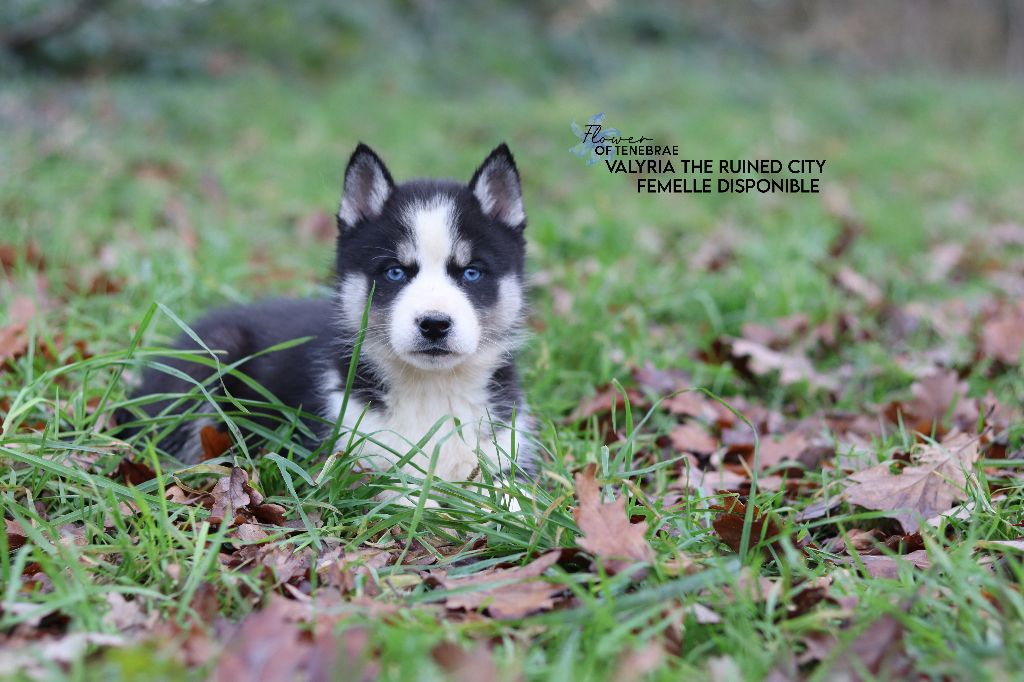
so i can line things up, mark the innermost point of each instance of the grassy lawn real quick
(127, 206)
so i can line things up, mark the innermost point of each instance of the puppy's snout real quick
(435, 326)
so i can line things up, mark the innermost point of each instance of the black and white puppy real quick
(444, 263)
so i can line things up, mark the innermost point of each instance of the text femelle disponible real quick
(731, 167)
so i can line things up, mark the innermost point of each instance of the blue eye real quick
(471, 274)
(395, 274)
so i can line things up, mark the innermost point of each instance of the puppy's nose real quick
(435, 326)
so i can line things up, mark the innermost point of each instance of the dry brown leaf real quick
(607, 531)
(14, 337)
(728, 524)
(889, 566)
(214, 441)
(504, 593)
(637, 664)
(939, 398)
(16, 536)
(852, 282)
(270, 645)
(30, 254)
(879, 649)
(176, 216)
(1002, 333)
(317, 227)
(758, 360)
(127, 617)
(269, 513)
(660, 381)
(692, 438)
(692, 404)
(773, 452)
(921, 491)
(231, 495)
(133, 473)
(778, 333)
(607, 399)
(476, 665)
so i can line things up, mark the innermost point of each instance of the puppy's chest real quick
(453, 422)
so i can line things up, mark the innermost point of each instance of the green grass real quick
(114, 175)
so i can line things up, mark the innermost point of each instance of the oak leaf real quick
(920, 491)
(505, 593)
(607, 531)
(692, 438)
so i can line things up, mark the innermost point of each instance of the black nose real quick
(435, 326)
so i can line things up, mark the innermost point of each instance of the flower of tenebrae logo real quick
(590, 137)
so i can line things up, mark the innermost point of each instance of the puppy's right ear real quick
(368, 185)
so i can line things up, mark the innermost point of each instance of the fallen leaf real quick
(778, 333)
(660, 381)
(232, 495)
(16, 536)
(755, 359)
(939, 398)
(717, 250)
(692, 404)
(214, 441)
(788, 448)
(607, 531)
(889, 566)
(856, 284)
(126, 616)
(637, 664)
(837, 204)
(269, 513)
(11, 255)
(606, 400)
(728, 524)
(692, 438)
(920, 491)
(879, 650)
(317, 227)
(14, 337)
(505, 593)
(703, 615)
(270, 645)
(36, 659)
(475, 665)
(176, 216)
(133, 473)
(1002, 333)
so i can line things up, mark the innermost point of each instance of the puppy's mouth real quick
(434, 357)
(435, 352)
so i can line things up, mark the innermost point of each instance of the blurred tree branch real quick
(22, 40)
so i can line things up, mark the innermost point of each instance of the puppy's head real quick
(444, 261)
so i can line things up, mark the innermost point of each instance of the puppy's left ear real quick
(495, 185)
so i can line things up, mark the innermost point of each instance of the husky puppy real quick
(441, 263)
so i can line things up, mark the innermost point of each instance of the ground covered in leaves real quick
(781, 436)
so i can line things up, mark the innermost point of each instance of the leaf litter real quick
(809, 467)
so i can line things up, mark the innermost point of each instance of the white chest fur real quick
(452, 408)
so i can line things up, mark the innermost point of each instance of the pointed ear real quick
(496, 186)
(368, 185)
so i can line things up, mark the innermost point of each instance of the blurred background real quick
(189, 152)
(581, 37)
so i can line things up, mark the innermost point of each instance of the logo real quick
(653, 166)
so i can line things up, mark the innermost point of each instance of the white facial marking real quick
(406, 253)
(510, 302)
(433, 291)
(462, 253)
(352, 293)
